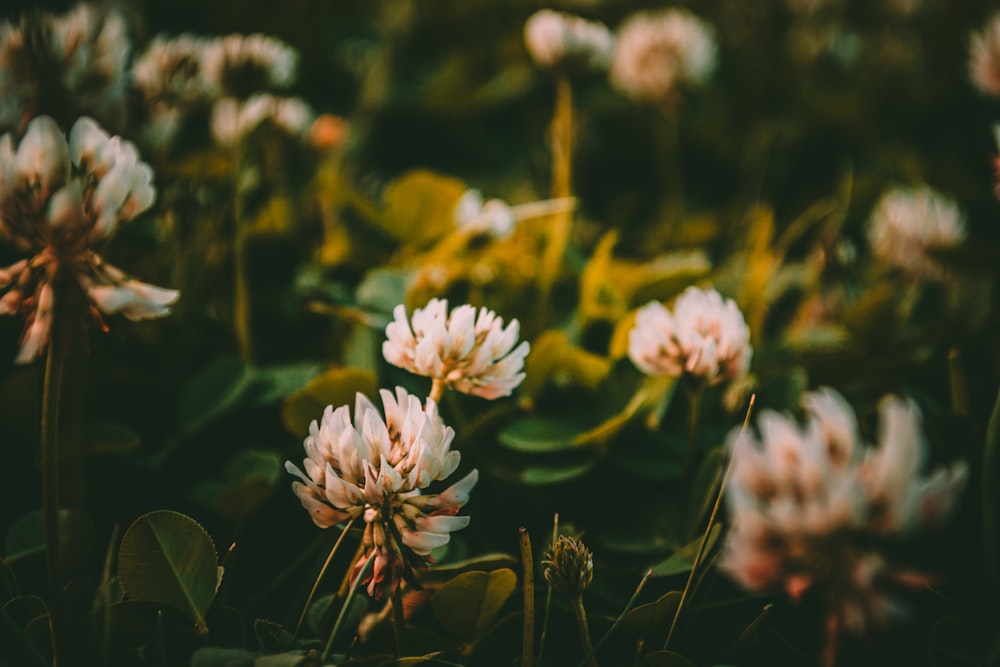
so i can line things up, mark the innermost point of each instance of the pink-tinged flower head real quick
(704, 337)
(232, 119)
(555, 39)
(469, 351)
(658, 51)
(376, 468)
(984, 57)
(907, 224)
(59, 200)
(809, 502)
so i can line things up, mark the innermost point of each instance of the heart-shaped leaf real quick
(168, 558)
(469, 603)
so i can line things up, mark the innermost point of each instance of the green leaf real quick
(104, 437)
(419, 206)
(704, 489)
(272, 637)
(470, 602)
(545, 474)
(168, 558)
(539, 435)
(682, 560)
(951, 643)
(381, 290)
(335, 387)
(666, 659)
(214, 390)
(26, 607)
(289, 659)
(651, 615)
(248, 480)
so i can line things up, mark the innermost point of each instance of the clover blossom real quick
(808, 504)
(657, 51)
(493, 216)
(907, 224)
(704, 337)
(60, 199)
(462, 350)
(376, 469)
(63, 66)
(555, 39)
(568, 566)
(241, 65)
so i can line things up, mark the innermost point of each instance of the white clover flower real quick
(64, 66)
(808, 503)
(493, 216)
(657, 51)
(59, 200)
(232, 120)
(704, 337)
(555, 39)
(908, 223)
(241, 65)
(376, 469)
(471, 353)
(984, 57)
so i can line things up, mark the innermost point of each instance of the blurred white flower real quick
(705, 337)
(241, 65)
(232, 119)
(808, 503)
(64, 66)
(59, 200)
(658, 51)
(376, 469)
(984, 57)
(555, 39)
(908, 223)
(493, 216)
(471, 353)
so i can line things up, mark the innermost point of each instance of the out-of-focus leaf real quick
(25, 607)
(655, 461)
(554, 359)
(215, 389)
(271, 383)
(647, 616)
(546, 474)
(381, 290)
(104, 437)
(539, 435)
(490, 561)
(682, 560)
(419, 206)
(248, 481)
(652, 399)
(468, 604)
(298, 658)
(951, 643)
(168, 558)
(26, 537)
(335, 387)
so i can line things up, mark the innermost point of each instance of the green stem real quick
(708, 529)
(398, 621)
(347, 605)
(319, 577)
(528, 630)
(562, 177)
(668, 164)
(694, 394)
(50, 483)
(584, 627)
(548, 595)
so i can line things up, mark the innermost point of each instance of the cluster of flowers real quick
(180, 75)
(808, 505)
(378, 468)
(653, 53)
(80, 64)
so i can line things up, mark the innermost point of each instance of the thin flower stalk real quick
(621, 617)
(51, 389)
(346, 606)
(319, 577)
